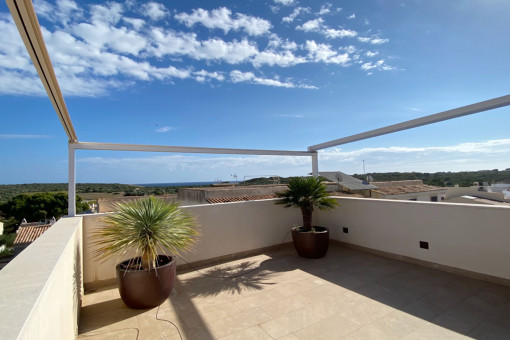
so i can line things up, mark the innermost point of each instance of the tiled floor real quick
(349, 294)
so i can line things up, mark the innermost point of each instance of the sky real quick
(273, 74)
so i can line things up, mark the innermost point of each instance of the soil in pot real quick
(143, 289)
(311, 244)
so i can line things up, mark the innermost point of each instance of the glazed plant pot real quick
(311, 245)
(142, 289)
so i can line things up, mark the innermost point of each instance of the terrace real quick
(378, 281)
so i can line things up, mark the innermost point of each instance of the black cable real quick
(170, 322)
(239, 274)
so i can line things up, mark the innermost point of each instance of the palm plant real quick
(146, 227)
(306, 193)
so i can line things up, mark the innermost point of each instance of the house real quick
(348, 184)
(412, 190)
(28, 233)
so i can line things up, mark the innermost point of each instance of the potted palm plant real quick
(308, 193)
(154, 232)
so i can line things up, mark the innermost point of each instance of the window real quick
(433, 198)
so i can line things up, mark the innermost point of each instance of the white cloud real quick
(175, 43)
(135, 22)
(284, 2)
(237, 76)
(311, 25)
(371, 53)
(324, 53)
(203, 75)
(297, 11)
(154, 10)
(164, 129)
(222, 18)
(283, 59)
(379, 65)
(341, 33)
(467, 156)
(373, 40)
(459, 157)
(325, 9)
(61, 12)
(352, 16)
(317, 25)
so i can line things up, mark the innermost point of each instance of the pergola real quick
(27, 23)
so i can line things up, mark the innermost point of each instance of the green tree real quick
(39, 206)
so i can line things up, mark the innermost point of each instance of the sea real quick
(181, 184)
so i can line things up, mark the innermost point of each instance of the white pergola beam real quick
(438, 117)
(184, 149)
(24, 16)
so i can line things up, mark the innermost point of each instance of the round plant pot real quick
(312, 245)
(142, 289)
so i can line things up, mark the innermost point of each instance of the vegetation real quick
(146, 227)
(36, 207)
(306, 193)
(463, 178)
(7, 239)
(9, 191)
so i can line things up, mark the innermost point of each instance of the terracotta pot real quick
(143, 289)
(312, 245)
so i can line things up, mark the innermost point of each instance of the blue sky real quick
(274, 74)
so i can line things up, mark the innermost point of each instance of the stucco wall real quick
(225, 229)
(40, 289)
(469, 237)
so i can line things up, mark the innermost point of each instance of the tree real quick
(39, 206)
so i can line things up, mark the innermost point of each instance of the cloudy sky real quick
(274, 74)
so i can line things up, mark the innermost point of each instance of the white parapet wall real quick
(41, 288)
(469, 237)
(226, 229)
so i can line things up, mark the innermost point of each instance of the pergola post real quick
(315, 164)
(71, 190)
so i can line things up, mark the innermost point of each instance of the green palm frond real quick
(306, 193)
(147, 227)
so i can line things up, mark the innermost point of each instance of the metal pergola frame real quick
(26, 21)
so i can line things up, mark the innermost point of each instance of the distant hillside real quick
(463, 178)
(86, 189)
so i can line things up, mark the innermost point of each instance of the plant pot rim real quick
(118, 266)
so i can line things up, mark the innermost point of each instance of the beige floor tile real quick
(252, 333)
(348, 294)
(257, 300)
(289, 323)
(366, 312)
(238, 322)
(334, 327)
(286, 305)
(432, 331)
(388, 327)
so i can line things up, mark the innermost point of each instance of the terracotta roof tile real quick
(215, 200)
(30, 233)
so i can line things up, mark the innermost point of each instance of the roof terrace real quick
(396, 269)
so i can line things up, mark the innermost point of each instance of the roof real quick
(407, 189)
(29, 234)
(215, 200)
(346, 181)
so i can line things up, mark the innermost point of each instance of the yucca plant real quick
(146, 227)
(306, 193)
